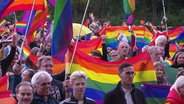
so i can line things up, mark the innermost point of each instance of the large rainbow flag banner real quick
(143, 35)
(103, 76)
(62, 30)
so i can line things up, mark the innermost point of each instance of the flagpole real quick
(165, 18)
(26, 29)
(78, 36)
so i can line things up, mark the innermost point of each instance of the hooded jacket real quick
(174, 98)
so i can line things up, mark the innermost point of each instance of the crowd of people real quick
(36, 84)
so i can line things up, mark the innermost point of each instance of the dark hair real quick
(31, 72)
(96, 53)
(124, 65)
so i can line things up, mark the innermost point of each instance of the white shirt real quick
(128, 96)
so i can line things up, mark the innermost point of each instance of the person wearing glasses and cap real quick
(125, 92)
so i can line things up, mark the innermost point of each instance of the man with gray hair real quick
(45, 63)
(78, 84)
(42, 83)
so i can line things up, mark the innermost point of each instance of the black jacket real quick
(72, 100)
(5, 63)
(116, 96)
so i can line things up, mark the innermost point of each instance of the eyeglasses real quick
(130, 73)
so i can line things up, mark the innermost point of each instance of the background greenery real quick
(148, 10)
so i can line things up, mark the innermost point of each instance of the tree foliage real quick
(148, 10)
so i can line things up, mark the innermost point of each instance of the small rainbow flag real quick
(168, 62)
(2, 23)
(26, 51)
(21, 25)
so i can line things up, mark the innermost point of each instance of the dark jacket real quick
(72, 100)
(57, 90)
(39, 100)
(5, 63)
(116, 96)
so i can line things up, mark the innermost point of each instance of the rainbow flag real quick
(4, 82)
(26, 51)
(38, 20)
(89, 45)
(168, 62)
(62, 30)
(21, 25)
(103, 76)
(111, 42)
(2, 23)
(4, 5)
(6, 97)
(143, 35)
(129, 8)
(17, 5)
(155, 94)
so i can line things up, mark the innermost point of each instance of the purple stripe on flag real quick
(3, 5)
(52, 2)
(25, 18)
(62, 34)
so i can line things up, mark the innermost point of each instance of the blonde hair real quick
(77, 74)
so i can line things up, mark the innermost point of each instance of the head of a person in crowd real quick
(114, 56)
(154, 53)
(19, 43)
(48, 45)
(180, 73)
(78, 84)
(96, 54)
(42, 83)
(159, 68)
(179, 86)
(126, 74)
(162, 51)
(179, 58)
(123, 49)
(38, 37)
(35, 51)
(142, 22)
(24, 93)
(161, 41)
(27, 75)
(45, 63)
(109, 49)
(145, 48)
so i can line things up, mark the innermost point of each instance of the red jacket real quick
(174, 98)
